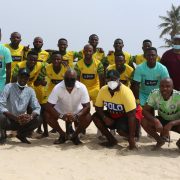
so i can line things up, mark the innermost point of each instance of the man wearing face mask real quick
(171, 59)
(14, 101)
(121, 110)
(69, 101)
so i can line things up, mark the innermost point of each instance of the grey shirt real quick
(16, 101)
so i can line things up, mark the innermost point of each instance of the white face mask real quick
(177, 47)
(20, 85)
(112, 84)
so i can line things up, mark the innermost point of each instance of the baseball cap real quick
(23, 71)
(111, 74)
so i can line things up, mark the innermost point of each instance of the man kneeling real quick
(167, 102)
(14, 101)
(69, 101)
(121, 110)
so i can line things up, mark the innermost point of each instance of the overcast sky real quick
(75, 20)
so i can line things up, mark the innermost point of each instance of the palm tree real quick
(171, 24)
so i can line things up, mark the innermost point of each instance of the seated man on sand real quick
(69, 101)
(14, 101)
(120, 103)
(167, 102)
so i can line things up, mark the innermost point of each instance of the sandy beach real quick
(43, 160)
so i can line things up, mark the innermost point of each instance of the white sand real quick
(43, 160)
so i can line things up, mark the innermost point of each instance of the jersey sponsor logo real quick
(151, 82)
(88, 76)
(172, 106)
(114, 108)
(16, 58)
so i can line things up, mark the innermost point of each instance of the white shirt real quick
(66, 102)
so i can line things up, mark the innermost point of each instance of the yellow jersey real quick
(33, 74)
(69, 57)
(126, 75)
(17, 55)
(119, 104)
(111, 57)
(43, 55)
(52, 79)
(139, 58)
(99, 55)
(89, 74)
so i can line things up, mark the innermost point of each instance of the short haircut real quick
(62, 39)
(112, 74)
(93, 35)
(118, 39)
(151, 49)
(147, 41)
(32, 53)
(15, 33)
(55, 52)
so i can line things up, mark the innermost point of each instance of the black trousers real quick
(23, 130)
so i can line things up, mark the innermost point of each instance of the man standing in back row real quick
(147, 76)
(171, 59)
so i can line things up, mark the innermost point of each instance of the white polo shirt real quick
(66, 102)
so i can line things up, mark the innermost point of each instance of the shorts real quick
(120, 124)
(93, 94)
(165, 122)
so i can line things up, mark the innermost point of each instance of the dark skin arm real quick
(108, 121)
(50, 108)
(132, 127)
(102, 80)
(10, 116)
(135, 88)
(85, 110)
(40, 82)
(8, 72)
(148, 113)
(169, 126)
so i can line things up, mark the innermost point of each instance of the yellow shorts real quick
(47, 92)
(40, 93)
(93, 94)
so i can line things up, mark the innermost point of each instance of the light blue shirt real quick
(5, 57)
(16, 101)
(149, 79)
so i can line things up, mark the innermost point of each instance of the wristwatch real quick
(61, 116)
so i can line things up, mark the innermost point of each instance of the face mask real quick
(176, 47)
(20, 85)
(69, 82)
(112, 84)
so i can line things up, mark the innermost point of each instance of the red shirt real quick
(172, 62)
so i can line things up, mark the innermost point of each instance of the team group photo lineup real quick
(129, 93)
